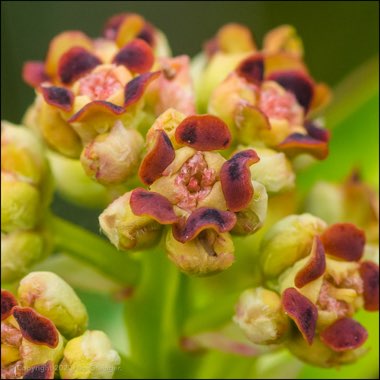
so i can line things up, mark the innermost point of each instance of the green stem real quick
(92, 249)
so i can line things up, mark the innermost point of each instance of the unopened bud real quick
(125, 229)
(89, 356)
(210, 252)
(55, 299)
(113, 157)
(259, 314)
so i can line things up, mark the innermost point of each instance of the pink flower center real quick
(281, 106)
(100, 85)
(194, 182)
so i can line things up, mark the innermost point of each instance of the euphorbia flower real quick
(46, 316)
(265, 102)
(322, 280)
(193, 188)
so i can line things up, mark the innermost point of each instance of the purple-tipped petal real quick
(297, 143)
(203, 132)
(59, 97)
(252, 69)
(315, 266)
(8, 301)
(201, 219)
(316, 132)
(137, 56)
(344, 334)
(144, 202)
(157, 159)
(36, 328)
(235, 178)
(302, 311)
(91, 109)
(297, 82)
(134, 90)
(33, 73)
(147, 34)
(369, 272)
(345, 241)
(41, 371)
(76, 62)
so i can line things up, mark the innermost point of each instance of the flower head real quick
(323, 280)
(195, 189)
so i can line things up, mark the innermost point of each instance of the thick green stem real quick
(92, 249)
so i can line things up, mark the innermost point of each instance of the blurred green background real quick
(338, 36)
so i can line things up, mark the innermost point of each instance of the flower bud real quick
(55, 299)
(125, 229)
(89, 356)
(287, 241)
(250, 219)
(19, 251)
(210, 252)
(273, 170)
(20, 203)
(113, 157)
(259, 314)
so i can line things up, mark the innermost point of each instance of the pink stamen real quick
(194, 182)
(100, 85)
(281, 106)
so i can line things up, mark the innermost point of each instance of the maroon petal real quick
(157, 159)
(33, 73)
(76, 62)
(297, 143)
(344, 334)
(42, 371)
(137, 56)
(112, 25)
(369, 272)
(59, 97)
(144, 202)
(315, 267)
(201, 219)
(135, 88)
(297, 82)
(316, 132)
(252, 69)
(94, 108)
(147, 34)
(203, 132)
(302, 311)
(36, 328)
(235, 178)
(344, 240)
(8, 301)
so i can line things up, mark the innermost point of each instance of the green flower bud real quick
(55, 299)
(19, 251)
(273, 170)
(125, 229)
(252, 218)
(20, 204)
(22, 153)
(113, 157)
(89, 356)
(210, 252)
(259, 314)
(287, 241)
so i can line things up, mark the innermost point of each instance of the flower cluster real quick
(43, 331)
(193, 188)
(92, 98)
(316, 279)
